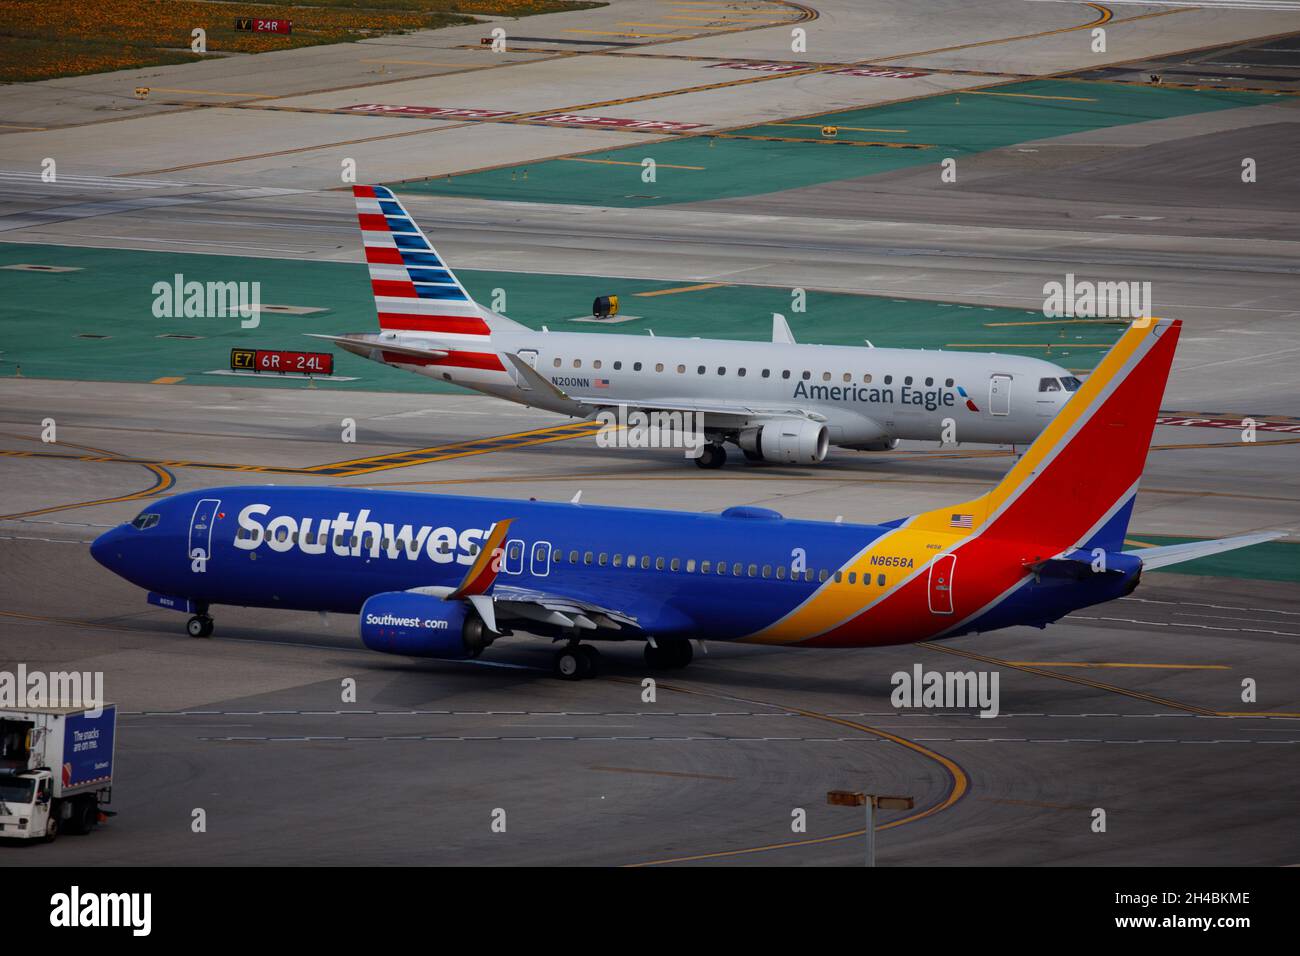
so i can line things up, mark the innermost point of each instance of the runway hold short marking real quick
(449, 112)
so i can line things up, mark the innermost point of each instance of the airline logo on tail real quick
(414, 289)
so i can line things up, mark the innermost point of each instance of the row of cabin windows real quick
(765, 373)
(690, 565)
(737, 569)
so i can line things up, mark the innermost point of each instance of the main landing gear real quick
(669, 655)
(713, 455)
(200, 625)
(576, 662)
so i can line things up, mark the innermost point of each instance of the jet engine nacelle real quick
(419, 625)
(799, 442)
(880, 444)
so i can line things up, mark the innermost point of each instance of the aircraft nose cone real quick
(104, 548)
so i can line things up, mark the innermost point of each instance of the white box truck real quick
(56, 770)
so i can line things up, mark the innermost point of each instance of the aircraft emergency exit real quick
(445, 576)
(777, 401)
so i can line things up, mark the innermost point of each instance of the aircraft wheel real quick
(199, 626)
(571, 663)
(669, 655)
(593, 658)
(713, 456)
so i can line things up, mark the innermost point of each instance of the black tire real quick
(52, 826)
(208, 625)
(712, 456)
(85, 814)
(571, 664)
(669, 655)
(593, 658)
(194, 626)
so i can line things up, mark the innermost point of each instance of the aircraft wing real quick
(549, 607)
(1165, 555)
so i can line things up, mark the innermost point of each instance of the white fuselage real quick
(866, 395)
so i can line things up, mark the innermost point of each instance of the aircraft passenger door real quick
(204, 517)
(941, 572)
(529, 356)
(1000, 395)
(513, 562)
(540, 566)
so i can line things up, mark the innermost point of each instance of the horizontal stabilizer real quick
(367, 344)
(1161, 557)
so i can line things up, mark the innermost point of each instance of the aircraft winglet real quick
(483, 572)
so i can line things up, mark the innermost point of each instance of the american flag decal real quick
(601, 383)
(961, 521)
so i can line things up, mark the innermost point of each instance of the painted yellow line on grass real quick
(1189, 667)
(683, 288)
(622, 162)
(1007, 325)
(1030, 96)
(855, 129)
(1019, 345)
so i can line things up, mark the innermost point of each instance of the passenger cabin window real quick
(826, 376)
(889, 380)
(785, 374)
(929, 382)
(866, 378)
(1048, 385)
(722, 370)
(636, 366)
(807, 375)
(617, 366)
(767, 373)
(596, 364)
(947, 382)
(577, 363)
(659, 366)
(557, 362)
(908, 380)
(740, 372)
(699, 370)
(681, 370)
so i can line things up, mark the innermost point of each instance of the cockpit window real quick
(144, 521)
(1071, 383)
(1048, 385)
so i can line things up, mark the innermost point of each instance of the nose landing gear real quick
(200, 625)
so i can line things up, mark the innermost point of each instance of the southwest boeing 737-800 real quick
(778, 400)
(443, 576)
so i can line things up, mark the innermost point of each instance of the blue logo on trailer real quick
(88, 748)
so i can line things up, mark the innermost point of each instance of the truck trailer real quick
(56, 770)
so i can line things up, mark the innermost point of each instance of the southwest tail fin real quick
(415, 290)
(1074, 487)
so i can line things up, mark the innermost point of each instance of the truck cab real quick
(26, 802)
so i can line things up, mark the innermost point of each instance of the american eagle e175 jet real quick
(445, 576)
(777, 401)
